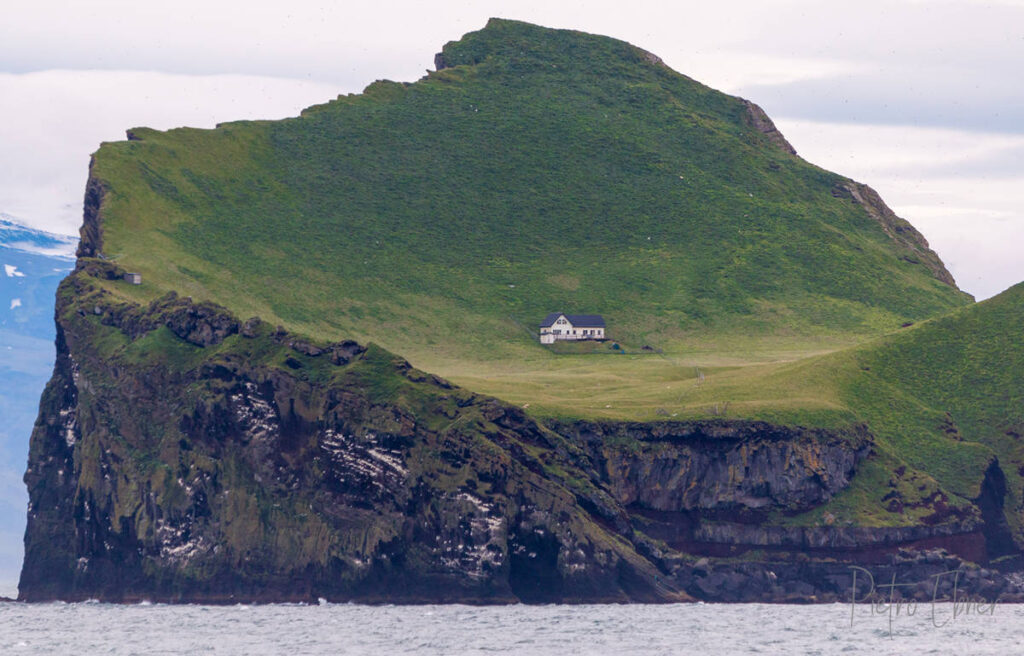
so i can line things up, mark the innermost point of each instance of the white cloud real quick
(955, 96)
(949, 64)
(15, 303)
(351, 44)
(963, 190)
(899, 151)
(65, 251)
(12, 271)
(733, 72)
(54, 119)
(16, 234)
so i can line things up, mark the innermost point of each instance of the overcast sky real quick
(921, 100)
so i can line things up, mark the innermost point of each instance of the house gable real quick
(551, 319)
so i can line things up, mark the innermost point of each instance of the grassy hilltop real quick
(538, 170)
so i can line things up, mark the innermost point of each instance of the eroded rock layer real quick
(182, 454)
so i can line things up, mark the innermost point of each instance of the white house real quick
(559, 326)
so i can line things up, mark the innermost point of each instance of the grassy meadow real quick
(541, 170)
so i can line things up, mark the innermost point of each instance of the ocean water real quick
(717, 629)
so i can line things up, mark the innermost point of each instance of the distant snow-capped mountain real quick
(32, 264)
(15, 235)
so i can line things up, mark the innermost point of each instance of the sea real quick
(556, 630)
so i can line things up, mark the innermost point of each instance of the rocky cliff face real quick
(182, 454)
(91, 232)
(899, 230)
(761, 121)
(726, 466)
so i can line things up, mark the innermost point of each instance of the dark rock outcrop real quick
(202, 324)
(990, 501)
(91, 233)
(721, 465)
(761, 122)
(921, 575)
(899, 230)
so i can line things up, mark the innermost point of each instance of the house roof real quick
(578, 320)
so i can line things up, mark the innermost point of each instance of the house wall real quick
(548, 335)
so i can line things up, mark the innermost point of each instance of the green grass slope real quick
(539, 170)
(948, 394)
(942, 400)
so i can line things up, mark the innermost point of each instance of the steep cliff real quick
(185, 452)
(185, 455)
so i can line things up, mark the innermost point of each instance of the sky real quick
(921, 100)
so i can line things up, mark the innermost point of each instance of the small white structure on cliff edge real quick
(558, 326)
